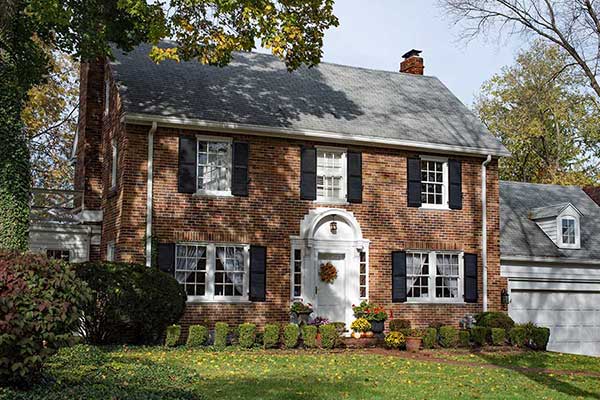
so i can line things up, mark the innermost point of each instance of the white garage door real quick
(573, 317)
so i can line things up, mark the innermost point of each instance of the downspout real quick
(149, 195)
(484, 228)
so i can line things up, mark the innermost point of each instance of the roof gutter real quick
(287, 133)
(484, 229)
(149, 199)
(558, 260)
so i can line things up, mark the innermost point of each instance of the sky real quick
(375, 34)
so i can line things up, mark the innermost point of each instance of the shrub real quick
(395, 340)
(130, 303)
(340, 327)
(397, 324)
(518, 336)
(329, 336)
(494, 319)
(221, 333)
(448, 336)
(539, 338)
(360, 325)
(498, 336)
(464, 338)
(480, 335)
(173, 333)
(40, 308)
(197, 336)
(271, 336)
(309, 335)
(429, 338)
(247, 335)
(291, 333)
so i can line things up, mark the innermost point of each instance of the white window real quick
(58, 254)
(434, 276)
(110, 251)
(331, 174)
(214, 166)
(114, 162)
(297, 273)
(568, 232)
(213, 272)
(363, 275)
(106, 95)
(434, 182)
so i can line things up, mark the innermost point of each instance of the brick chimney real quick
(593, 192)
(413, 63)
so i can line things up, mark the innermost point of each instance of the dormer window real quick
(560, 222)
(568, 230)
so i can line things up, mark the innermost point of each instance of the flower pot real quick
(356, 335)
(377, 326)
(413, 344)
(304, 317)
(369, 334)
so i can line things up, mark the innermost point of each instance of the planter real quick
(413, 344)
(369, 334)
(300, 318)
(356, 335)
(377, 326)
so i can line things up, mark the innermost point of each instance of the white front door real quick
(332, 301)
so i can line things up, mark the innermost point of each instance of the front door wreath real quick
(327, 272)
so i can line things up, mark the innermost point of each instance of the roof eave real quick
(563, 260)
(229, 127)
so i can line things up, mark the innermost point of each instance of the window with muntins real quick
(434, 276)
(213, 271)
(110, 251)
(363, 275)
(297, 273)
(214, 166)
(568, 230)
(434, 183)
(331, 175)
(58, 254)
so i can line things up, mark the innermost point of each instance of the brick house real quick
(244, 181)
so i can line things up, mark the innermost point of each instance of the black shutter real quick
(187, 164)
(166, 258)
(354, 177)
(414, 182)
(258, 273)
(470, 294)
(239, 180)
(308, 174)
(455, 182)
(398, 276)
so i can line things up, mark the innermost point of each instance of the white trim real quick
(111, 251)
(561, 260)
(445, 184)
(432, 299)
(114, 145)
(200, 124)
(149, 194)
(343, 199)
(565, 215)
(484, 230)
(106, 94)
(214, 139)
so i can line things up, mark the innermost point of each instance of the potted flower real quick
(300, 312)
(373, 313)
(414, 340)
(360, 327)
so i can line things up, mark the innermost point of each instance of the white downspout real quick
(484, 228)
(149, 195)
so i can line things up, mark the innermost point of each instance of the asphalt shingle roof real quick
(256, 89)
(520, 236)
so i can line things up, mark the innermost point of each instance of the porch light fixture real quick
(333, 226)
(504, 297)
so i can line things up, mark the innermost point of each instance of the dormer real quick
(561, 223)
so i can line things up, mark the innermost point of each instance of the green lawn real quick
(85, 372)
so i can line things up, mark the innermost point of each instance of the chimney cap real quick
(411, 53)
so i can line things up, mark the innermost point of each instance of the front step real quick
(352, 343)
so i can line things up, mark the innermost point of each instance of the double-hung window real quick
(213, 272)
(434, 276)
(434, 182)
(214, 166)
(331, 174)
(568, 230)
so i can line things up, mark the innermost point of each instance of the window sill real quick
(203, 301)
(331, 202)
(436, 302)
(436, 208)
(213, 194)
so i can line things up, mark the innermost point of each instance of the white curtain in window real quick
(232, 260)
(187, 261)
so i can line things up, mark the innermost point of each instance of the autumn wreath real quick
(327, 272)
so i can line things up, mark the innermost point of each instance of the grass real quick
(85, 372)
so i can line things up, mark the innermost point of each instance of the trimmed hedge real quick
(494, 319)
(329, 336)
(448, 336)
(480, 335)
(271, 336)
(539, 338)
(247, 335)
(464, 338)
(498, 336)
(398, 325)
(309, 336)
(197, 336)
(221, 333)
(291, 333)
(518, 336)
(173, 333)
(429, 338)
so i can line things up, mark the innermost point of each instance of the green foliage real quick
(309, 336)
(429, 338)
(480, 335)
(494, 319)
(130, 303)
(518, 336)
(221, 333)
(172, 337)
(539, 338)
(197, 336)
(247, 336)
(395, 340)
(397, 324)
(448, 336)
(40, 308)
(329, 336)
(498, 336)
(271, 336)
(291, 333)
(464, 338)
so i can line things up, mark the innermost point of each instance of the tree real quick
(574, 25)
(546, 118)
(207, 30)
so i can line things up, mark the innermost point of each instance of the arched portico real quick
(330, 235)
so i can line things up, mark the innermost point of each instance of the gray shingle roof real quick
(256, 89)
(520, 236)
(548, 211)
